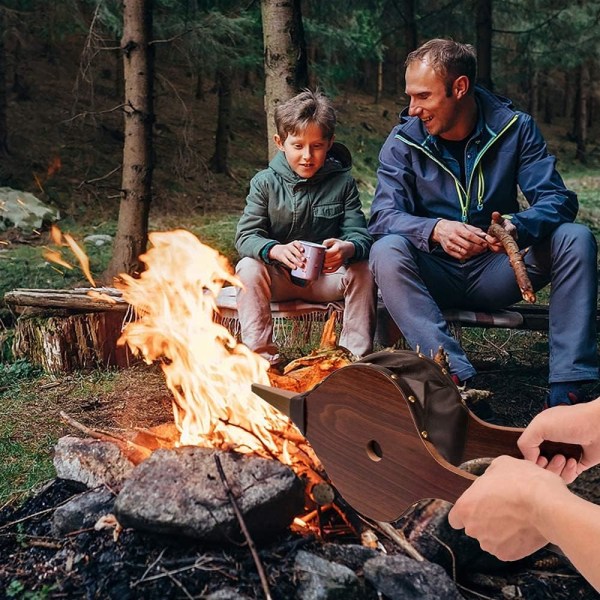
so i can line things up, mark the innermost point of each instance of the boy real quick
(306, 193)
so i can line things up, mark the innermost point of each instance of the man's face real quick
(306, 150)
(439, 113)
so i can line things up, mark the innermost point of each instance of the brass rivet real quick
(444, 372)
(424, 434)
(394, 376)
(412, 399)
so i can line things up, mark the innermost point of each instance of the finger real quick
(556, 464)
(570, 472)
(454, 518)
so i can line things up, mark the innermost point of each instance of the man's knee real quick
(575, 239)
(389, 253)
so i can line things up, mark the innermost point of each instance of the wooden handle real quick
(549, 449)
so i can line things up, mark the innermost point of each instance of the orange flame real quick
(56, 256)
(208, 372)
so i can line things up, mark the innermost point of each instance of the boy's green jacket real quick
(282, 207)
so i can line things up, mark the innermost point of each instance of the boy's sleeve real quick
(354, 223)
(253, 234)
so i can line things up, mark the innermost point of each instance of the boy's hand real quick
(337, 253)
(291, 255)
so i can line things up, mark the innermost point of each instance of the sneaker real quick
(564, 394)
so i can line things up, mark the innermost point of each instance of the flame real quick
(54, 166)
(56, 256)
(208, 372)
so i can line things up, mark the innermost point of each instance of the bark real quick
(484, 43)
(136, 186)
(284, 57)
(516, 260)
(219, 163)
(379, 85)
(3, 94)
(72, 343)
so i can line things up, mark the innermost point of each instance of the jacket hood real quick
(338, 159)
(496, 111)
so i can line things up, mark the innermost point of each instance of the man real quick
(458, 156)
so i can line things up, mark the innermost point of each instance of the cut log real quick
(68, 330)
(65, 344)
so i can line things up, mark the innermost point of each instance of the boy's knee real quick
(250, 269)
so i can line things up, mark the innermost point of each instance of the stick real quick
(133, 451)
(397, 536)
(514, 256)
(238, 514)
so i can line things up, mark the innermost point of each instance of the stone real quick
(91, 462)
(398, 577)
(23, 210)
(82, 511)
(321, 579)
(180, 492)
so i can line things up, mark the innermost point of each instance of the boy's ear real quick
(278, 141)
(331, 140)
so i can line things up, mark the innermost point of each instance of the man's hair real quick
(293, 116)
(448, 59)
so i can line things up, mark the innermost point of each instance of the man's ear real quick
(278, 142)
(461, 86)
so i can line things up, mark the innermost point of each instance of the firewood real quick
(134, 452)
(514, 256)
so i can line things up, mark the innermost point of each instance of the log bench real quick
(67, 330)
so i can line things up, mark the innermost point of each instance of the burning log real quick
(514, 256)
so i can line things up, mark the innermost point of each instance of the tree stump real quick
(68, 330)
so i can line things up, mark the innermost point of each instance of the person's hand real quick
(337, 253)
(570, 424)
(459, 240)
(494, 244)
(500, 506)
(291, 255)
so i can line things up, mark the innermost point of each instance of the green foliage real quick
(17, 590)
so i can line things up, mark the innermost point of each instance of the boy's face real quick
(306, 150)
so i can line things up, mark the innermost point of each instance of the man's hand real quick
(291, 255)
(500, 507)
(337, 253)
(570, 424)
(460, 240)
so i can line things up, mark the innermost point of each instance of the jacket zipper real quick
(462, 193)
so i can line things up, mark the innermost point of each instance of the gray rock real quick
(398, 577)
(91, 462)
(180, 492)
(320, 579)
(226, 594)
(24, 210)
(352, 556)
(82, 511)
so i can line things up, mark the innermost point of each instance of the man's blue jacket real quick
(419, 182)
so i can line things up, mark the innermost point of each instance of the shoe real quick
(564, 394)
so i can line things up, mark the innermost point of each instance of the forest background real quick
(64, 110)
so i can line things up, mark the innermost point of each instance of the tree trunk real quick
(484, 43)
(219, 160)
(411, 38)
(534, 93)
(136, 187)
(3, 94)
(284, 57)
(379, 85)
(581, 120)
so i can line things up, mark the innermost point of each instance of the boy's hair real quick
(292, 116)
(449, 59)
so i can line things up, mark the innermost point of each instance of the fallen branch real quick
(511, 248)
(134, 452)
(398, 537)
(244, 528)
